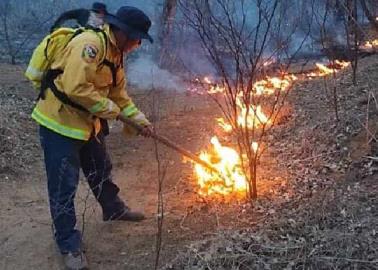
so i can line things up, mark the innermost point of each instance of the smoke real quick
(195, 58)
(144, 73)
(148, 7)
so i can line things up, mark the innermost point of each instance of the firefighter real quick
(84, 17)
(72, 120)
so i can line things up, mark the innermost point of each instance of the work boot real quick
(75, 261)
(125, 215)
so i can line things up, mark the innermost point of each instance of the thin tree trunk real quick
(353, 35)
(6, 34)
(166, 27)
(335, 100)
(356, 40)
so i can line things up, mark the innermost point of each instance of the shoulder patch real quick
(89, 53)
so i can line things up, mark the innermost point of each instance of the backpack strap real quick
(113, 69)
(48, 82)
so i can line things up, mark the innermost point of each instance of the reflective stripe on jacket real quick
(86, 82)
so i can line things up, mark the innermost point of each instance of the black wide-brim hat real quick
(99, 7)
(132, 21)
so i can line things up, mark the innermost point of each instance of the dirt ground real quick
(25, 228)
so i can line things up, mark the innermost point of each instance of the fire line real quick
(231, 179)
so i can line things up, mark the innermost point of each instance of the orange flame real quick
(268, 62)
(369, 45)
(255, 147)
(324, 70)
(252, 118)
(207, 80)
(226, 160)
(268, 86)
(226, 127)
(342, 64)
(271, 84)
(331, 68)
(215, 89)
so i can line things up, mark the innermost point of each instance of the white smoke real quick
(145, 74)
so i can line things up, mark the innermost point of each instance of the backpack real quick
(45, 53)
(93, 17)
(39, 70)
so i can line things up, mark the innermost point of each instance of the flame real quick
(215, 89)
(226, 160)
(268, 86)
(207, 80)
(251, 118)
(268, 62)
(255, 147)
(325, 70)
(369, 45)
(254, 117)
(342, 64)
(226, 127)
(271, 84)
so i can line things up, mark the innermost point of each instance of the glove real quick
(141, 120)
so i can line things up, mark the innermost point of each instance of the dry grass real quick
(330, 220)
(18, 142)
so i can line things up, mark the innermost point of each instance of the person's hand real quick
(138, 124)
(147, 131)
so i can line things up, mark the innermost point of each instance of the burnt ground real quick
(318, 186)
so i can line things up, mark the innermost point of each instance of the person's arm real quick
(128, 109)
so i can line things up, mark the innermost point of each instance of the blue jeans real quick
(63, 159)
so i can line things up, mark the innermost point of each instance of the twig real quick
(84, 213)
(160, 207)
(348, 259)
(368, 131)
(367, 118)
(183, 220)
(217, 216)
(161, 176)
(313, 157)
(372, 158)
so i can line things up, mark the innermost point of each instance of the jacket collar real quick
(111, 37)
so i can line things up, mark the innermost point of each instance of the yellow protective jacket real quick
(88, 83)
